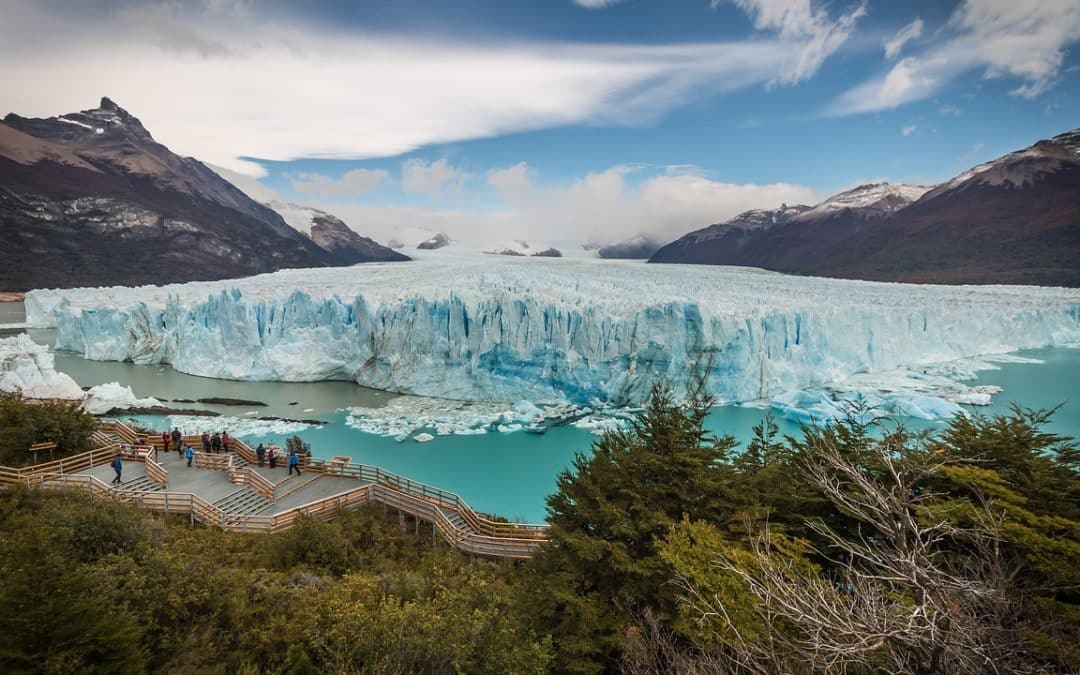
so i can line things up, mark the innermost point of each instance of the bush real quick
(23, 423)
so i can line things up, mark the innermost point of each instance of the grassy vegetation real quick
(849, 549)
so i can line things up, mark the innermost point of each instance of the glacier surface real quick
(560, 331)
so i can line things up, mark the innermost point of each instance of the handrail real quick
(480, 536)
(213, 461)
(156, 472)
(259, 483)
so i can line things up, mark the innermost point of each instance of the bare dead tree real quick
(909, 592)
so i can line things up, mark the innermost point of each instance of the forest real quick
(860, 547)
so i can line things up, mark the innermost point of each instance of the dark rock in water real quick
(548, 253)
(272, 418)
(181, 400)
(294, 402)
(214, 400)
(162, 410)
(436, 242)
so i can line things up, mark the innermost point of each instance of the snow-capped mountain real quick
(1013, 220)
(90, 198)
(332, 235)
(869, 201)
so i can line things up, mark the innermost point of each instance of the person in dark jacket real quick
(177, 437)
(272, 456)
(215, 442)
(118, 466)
(206, 443)
(260, 452)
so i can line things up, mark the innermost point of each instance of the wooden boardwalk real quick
(231, 492)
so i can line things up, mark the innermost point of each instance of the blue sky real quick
(556, 118)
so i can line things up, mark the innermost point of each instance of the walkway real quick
(229, 491)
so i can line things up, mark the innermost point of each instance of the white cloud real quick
(912, 31)
(1023, 40)
(351, 184)
(432, 178)
(603, 206)
(908, 130)
(221, 84)
(596, 4)
(514, 182)
(814, 35)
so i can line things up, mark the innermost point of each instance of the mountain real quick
(90, 198)
(331, 234)
(781, 239)
(1013, 220)
(639, 247)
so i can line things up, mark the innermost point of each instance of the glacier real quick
(29, 369)
(577, 331)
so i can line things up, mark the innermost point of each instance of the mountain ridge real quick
(1015, 219)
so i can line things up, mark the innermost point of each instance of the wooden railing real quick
(211, 461)
(480, 536)
(249, 476)
(156, 472)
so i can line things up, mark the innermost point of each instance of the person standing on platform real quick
(225, 441)
(177, 437)
(260, 452)
(271, 454)
(215, 443)
(294, 462)
(190, 454)
(166, 441)
(118, 467)
(206, 442)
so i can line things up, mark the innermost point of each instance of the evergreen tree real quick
(606, 518)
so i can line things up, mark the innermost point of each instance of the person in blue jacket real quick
(190, 454)
(117, 466)
(294, 463)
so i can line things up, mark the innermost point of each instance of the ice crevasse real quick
(553, 330)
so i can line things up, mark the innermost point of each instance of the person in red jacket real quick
(225, 441)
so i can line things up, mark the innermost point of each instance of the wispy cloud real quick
(1003, 38)
(432, 178)
(912, 31)
(908, 130)
(596, 4)
(351, 184)
(812, 34)
(221, 80)
(603, 207)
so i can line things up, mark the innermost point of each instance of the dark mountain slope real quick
(91, 199)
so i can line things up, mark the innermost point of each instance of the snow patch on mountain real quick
(883, 198)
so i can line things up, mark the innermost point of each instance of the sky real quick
(555, 121)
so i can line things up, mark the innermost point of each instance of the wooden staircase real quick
(244, 502)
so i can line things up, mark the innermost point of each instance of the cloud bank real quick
(1025, 41)
(222, 81)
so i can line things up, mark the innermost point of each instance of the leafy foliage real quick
(23, 423)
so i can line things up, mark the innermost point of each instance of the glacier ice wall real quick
(552, 330)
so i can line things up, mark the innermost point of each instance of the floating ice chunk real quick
(237, 427)
(423, 437)
(30, 368)
(113, 395)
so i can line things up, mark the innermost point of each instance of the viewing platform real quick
(230, 491)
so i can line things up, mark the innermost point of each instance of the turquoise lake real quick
(510, 474)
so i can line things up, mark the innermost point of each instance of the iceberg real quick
(30, 369)
(556, 331)
(103, 398)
